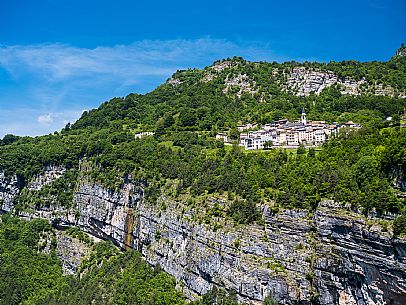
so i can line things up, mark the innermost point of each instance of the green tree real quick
(268, 144)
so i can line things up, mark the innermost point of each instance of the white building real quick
(284, 133)
(222, 136)
(140, 135)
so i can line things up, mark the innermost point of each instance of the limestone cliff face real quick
(50, 174)
(9, 188)
(332, 257)
(329, 257)
(362, 264)
(303, 81)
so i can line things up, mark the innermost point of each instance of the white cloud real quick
(58, 62)
(45, 118)
(50, 81)
(25, 121)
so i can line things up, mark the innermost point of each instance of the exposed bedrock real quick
(330, 257)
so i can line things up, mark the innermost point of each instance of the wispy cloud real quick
(26, 121)
(56, 78)
(56, 62)
(45, 118)
(48, 119)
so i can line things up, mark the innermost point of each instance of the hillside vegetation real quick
(361, 170)
(187, 111)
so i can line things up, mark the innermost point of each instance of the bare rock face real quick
(9, 188)
(174, 81)
(71, 251)
(303, 81)
(330, 257)
(363, 266)
(107, 214)
(254, 261)
(213, 71)
(49, 175)
(242, 82)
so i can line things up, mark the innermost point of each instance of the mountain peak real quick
(401, 51)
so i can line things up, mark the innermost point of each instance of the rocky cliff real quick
(303, 81)
(9, 188)
(299, 80)
(332, 256)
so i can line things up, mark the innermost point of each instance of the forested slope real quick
(363, 171)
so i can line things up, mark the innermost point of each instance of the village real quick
(285, 134)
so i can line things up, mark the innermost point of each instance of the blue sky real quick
(58, 58)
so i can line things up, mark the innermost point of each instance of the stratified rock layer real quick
(329, 257)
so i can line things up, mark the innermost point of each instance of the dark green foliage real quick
(234, 134)
(25, 272)
(77, 233)
(270, 300)
(355, 168)
(185, 138)
(123, 278)
(108, 276)
(399, 225)
(244, 212)
(198, 105)
(8, 139)
(301, 150)
(218, 297)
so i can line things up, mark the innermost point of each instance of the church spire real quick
(303, 118)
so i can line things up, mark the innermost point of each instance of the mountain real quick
(237, 90)
(298, 226)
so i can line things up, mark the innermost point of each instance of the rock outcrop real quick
(241, 83)
(50, 174)
(357, 264)
(70, 250)
(9, 188)
(303, 81)
(330, 257)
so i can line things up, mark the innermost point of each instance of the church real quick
(287, 134)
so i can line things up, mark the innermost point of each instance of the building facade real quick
(283, 133)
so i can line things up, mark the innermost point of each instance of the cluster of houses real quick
(143, 134)
(283, 133)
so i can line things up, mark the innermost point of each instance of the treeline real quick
(116, 278)
(30, 276)
(26, 273)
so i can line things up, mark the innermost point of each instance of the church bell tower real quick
(303, 119)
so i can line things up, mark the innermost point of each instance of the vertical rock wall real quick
(330, 257)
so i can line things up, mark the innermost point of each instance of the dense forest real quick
(358, 169)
